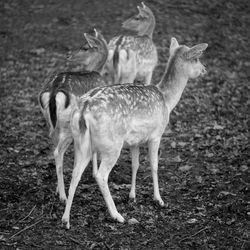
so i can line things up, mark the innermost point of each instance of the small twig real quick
(3, 209)
(76, 241)
(35, 245)
(172, 172)
(242, 246)
(19, 218)
(26, 228)
(28, 214)
(242, 240)
(188, 237)
(106, 245)
(52, 206)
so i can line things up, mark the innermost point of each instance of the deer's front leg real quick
(135, 165)
(153, 158)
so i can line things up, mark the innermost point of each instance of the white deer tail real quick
(81, 133)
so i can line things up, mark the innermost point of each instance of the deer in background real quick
(59, 96)
(109, 118)
(134, 57)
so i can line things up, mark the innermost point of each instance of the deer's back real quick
(76, 83)
(142, 45)
(124, 113)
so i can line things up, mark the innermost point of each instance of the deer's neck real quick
(172, 84)
(148, 31)
(97, 65)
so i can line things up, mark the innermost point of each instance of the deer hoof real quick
(65, 222)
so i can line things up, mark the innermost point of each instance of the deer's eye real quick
(85, 47)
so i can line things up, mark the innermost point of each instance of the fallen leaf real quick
(225, 193)
(185, 168)
(59, 242)
(173, 144)
(218, 137)
(2, 238)
(209, 154)
(197, 135)
(177, 159)
(231, 75)
(244, 168)
(198, 179)
(182, 144)
(133, 221)
(122, 186)
(192, 221)
(214, 170)
(38, 51)
(230, 222)
(217, 126)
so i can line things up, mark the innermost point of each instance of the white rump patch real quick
(45, 99)
(123, 55)
(110, 55)
(60, 100)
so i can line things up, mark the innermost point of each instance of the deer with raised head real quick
(109, 118)
(134, 57)
(59, 97)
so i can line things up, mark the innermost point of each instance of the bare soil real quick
(204, 167)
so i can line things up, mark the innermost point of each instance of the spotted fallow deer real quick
(134, 57)
(112, 117)
(59, 94)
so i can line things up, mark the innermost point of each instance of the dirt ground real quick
(204, 168)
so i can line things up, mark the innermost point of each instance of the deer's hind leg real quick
(107, 163)
(64, 140)
(82, 158)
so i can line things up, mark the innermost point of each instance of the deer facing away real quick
(134, 57)
(58, 97)
(109, 118)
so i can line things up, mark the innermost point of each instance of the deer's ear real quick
(96, 32)
(173, 46)
(145, 7)
(196, 51)
(140, 9)
(101, 39)
(99, 35)
(90, 40)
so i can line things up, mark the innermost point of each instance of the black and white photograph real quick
(125, 124)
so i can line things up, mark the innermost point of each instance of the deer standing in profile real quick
(59, 96)
(109, 118)
(134, 57)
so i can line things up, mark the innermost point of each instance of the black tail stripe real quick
(52, 109)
